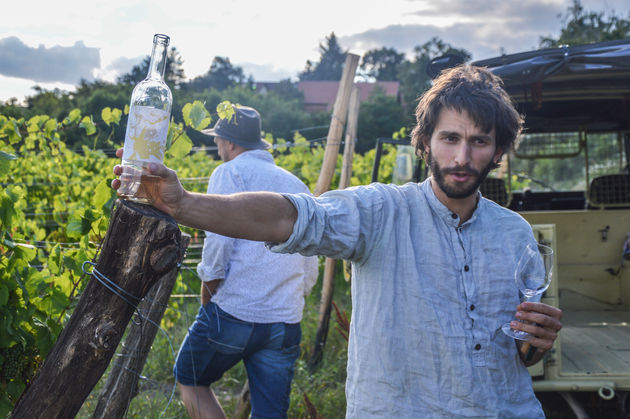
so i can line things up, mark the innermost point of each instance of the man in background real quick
(251, 298)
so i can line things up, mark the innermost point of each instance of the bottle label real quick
(145, 139)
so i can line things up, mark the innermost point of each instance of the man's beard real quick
(455, 192)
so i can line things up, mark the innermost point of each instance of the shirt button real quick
(466, 268)
(453, 216)
(472, 307)
(477, 347)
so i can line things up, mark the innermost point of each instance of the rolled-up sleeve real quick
(341, 224)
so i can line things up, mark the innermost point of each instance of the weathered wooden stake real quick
(348, 155)
(122, 381)
(340, 110)
(142, 245)
(328, 285)
(351, 134)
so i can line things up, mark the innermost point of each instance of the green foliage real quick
(412, 74)
(584, 27)
(197, 116)
(330, 65)
(221, 75)
(173, 74)
(55, 205)
(54, 210)
(382, 64)
(379, 116)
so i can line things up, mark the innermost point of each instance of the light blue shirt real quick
(428, 301)
(258, 285)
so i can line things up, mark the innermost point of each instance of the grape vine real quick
(55, 205)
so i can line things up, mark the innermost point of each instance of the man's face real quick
(222, 148)
(460, 155)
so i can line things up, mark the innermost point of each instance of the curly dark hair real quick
(474, 90)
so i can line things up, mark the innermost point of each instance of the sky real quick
(56, 44)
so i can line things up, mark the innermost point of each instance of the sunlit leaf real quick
(196, 115)
(88, 124)
(116, 115)
(50, 126)
(5, 159)
(225, 110)
(181, 146)
(102, 194)
(73, 117)
(106, 115)
(12, 130)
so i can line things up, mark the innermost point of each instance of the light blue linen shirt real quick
(428, 301)
(258, 285)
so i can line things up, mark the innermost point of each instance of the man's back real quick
(258, 285)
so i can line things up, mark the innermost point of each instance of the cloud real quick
(123, 65)
(54, 64)
(485, 29)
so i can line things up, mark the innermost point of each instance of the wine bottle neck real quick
(157, 65)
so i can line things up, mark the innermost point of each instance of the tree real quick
(583, 27)
(12, 108)
(221, 75)
(382, 64)
(173, 74)
(413, 76)
(331, 60)
(55, 103)
(379, 116)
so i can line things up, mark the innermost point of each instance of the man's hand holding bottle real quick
(170, 191)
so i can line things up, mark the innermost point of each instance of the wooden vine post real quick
(337, 122)
(340, 111)
(122, 381)
(142, 245)
(348, 153)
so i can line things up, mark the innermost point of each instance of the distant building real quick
(320, 95)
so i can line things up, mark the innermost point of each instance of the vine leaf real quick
(196, 115)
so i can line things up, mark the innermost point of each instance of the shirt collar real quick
(256, 154)
(449, 217)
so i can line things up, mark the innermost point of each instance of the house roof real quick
(321, 95)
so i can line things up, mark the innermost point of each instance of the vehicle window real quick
(605, 154)
(556, 162)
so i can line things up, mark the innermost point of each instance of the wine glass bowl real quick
(532, 276)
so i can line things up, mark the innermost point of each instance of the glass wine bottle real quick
(147, 128)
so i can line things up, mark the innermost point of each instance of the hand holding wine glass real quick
(532, 276)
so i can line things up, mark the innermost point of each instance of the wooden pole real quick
(142, 245)
(328, 285)
(351, 134)
(340, 110)
(122, 381)
(328, 288)
(348, 156)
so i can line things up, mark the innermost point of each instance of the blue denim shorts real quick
(217, 341)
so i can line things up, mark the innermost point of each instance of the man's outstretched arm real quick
(261, 216)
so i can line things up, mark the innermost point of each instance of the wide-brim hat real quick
(243, 129)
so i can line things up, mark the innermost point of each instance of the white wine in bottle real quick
(147, 128)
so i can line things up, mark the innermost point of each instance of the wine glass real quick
(532, 276)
